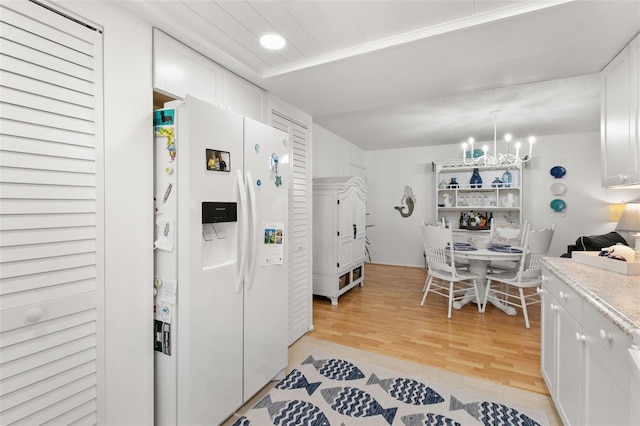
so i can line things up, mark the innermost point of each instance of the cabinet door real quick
(346, 205)
(178, 70)
(548, 340)
(634, 158)
(243, 97)
(568, 368)
(606, 388)
(360, 221)
(615, 120)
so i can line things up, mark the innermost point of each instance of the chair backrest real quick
(537, 245)
(438, 248)
(508, 233)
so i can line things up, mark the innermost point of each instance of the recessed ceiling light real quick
(272, 41)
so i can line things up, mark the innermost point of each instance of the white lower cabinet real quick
(583, 358)
(569, 353)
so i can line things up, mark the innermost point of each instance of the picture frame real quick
(218, 161)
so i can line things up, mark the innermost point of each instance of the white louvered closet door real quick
(300, 265)
(51, 218)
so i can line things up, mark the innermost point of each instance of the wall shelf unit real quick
(456, 196)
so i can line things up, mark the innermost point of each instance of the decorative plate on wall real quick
(558, 205)
(558, 188)
(558, 171)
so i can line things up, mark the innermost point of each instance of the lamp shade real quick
(630, 219)
(630, 222)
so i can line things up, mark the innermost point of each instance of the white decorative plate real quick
(558, 188)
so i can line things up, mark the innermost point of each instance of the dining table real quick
(479, 260)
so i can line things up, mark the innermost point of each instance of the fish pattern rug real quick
(329, 390)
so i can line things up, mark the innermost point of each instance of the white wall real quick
(336, 156)
(129, 212)
(396, 240)
(587, 202)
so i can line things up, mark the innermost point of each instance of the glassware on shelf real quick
(476, 179)
(497, 183)
(507, 179)
(453, 183)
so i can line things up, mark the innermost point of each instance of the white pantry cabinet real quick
(583, 358)
(339, 215)
(620, 117)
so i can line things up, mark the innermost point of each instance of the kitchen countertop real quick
(615, 295)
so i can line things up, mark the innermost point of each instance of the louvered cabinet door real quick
(299, 225)
(51, 218)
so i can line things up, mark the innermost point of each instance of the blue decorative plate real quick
(464, 248)
(558, 205)
(505, 249)
(558, 171)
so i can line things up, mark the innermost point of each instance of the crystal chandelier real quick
(496, 158)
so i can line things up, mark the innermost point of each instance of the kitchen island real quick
(589, 317)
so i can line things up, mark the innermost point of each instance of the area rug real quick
(329, 390)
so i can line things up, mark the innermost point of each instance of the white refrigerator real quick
(221, 273)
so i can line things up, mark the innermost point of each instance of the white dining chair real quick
(507, 233)
(528, 274)
(443, 277)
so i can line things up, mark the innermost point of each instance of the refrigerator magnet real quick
(278, 181)
(219, 161)
(272, 252)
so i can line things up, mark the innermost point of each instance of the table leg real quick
(480, 267)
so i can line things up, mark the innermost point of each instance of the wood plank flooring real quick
(385, 317)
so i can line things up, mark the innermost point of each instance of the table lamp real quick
(630, 222)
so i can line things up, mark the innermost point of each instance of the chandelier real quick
(496, 158)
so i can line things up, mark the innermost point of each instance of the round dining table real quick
(479, 260)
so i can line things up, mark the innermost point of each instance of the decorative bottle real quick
(497, 183)
(507, 179)
(476, 179)
(453, 183)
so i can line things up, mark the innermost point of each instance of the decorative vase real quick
(497, 183)
(507, 179)
(476, 179)
(442, 184)
(453, 183)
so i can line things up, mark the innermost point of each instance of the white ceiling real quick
(389, 74)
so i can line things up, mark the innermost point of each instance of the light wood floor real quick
(385, 317)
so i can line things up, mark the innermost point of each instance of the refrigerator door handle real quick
(253, 235)
(243, 231)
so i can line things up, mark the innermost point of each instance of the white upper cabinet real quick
(634, 55)
(620, 118)
(179, 70)
(243, 97)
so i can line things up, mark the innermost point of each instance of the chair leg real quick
(524, 307)
(450, 298)
(427, 285)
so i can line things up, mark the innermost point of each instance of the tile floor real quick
(307, 344)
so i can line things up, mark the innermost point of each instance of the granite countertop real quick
(615, 295)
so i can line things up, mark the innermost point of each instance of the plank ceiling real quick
(388, 74)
